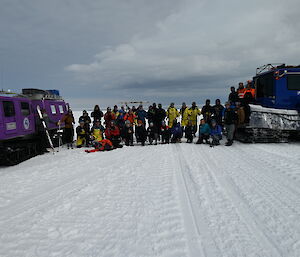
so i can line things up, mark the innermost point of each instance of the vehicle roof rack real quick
(268, 67)
(37, 94)
(10, 94)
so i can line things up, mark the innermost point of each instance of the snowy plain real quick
(165, 200)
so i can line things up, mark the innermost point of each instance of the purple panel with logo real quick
(16, 117)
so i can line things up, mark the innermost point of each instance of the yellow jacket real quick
(80, 136)
(184, 116)
(193, 113)
(97, 134)
(172, 114)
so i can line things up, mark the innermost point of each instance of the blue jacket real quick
(204, 129)
(141, 115)
(176, 130)
(217, 130)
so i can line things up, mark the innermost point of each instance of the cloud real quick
(140, 49)
(211, 41)
(40, 37)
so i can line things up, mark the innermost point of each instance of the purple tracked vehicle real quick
(20, 125)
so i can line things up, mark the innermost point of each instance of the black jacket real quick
(207, 111)
(230, 116)
(87, 119)
(233, 97)
(189, 130)
(127, 132)
(97, 114)
(80, 133)
(218, 112)
(141, 133)
(160, 115)
(151, 131)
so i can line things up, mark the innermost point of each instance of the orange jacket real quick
(130, 117)
(105, 145)
(241, 92)
(251, 91)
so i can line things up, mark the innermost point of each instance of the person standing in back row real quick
(108, 117)
(207, 111)
(160, 116)
(233, 96)
(141, 115)
(241, 90)
(97, 114)
(218, 111)
(185, 114)
(68, 119)
(194, 112)
(172, 114)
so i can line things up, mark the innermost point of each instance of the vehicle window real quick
(61, 109)
(265, 85)
(25, 110)
(53, 109)
(293, 82)
(9, 108)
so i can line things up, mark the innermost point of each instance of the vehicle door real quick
(26, 117)
(9, 117)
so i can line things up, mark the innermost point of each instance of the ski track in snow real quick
(166, 200)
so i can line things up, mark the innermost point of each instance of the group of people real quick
(157, 124)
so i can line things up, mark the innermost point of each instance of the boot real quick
(200, 141)
(229, 143)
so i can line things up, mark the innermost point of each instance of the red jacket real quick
(105, 145)
(109, 132)
(108, 117)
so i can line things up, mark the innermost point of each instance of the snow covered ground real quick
(166, 200)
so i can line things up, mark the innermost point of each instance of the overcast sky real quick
(107, 51)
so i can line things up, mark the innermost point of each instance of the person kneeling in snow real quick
(113, 134)
(165, 133)
(82, 135)
(140, 133)
(215, 133)
(152, 132)
(97, 130)
(100, 146)
(204, 132)
(127, 133)
(189, 131)
(176, 132)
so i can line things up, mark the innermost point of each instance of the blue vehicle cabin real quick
(278, 87)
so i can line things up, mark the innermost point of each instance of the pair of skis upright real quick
(46, 130)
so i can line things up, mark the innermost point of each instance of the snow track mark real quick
(200, 242)
(122, 209)
(233, 234)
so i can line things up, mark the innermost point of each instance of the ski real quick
(59, 135)
(45, 127)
